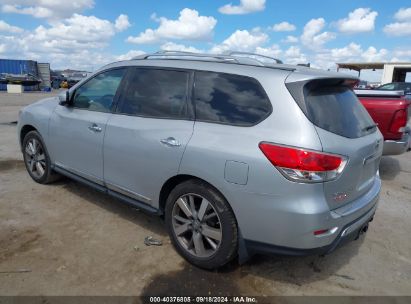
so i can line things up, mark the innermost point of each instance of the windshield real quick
(388, 86)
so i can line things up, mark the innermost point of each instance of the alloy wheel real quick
(196, 225)
(35, 158)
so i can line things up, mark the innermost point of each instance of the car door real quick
(77, 131)
(146, 137)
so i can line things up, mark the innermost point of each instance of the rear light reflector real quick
(319, 232)
(323, 232)
(304, 165)
(399, 121)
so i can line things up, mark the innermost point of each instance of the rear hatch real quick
(345, 128)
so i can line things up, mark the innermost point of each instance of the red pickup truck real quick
(390, 111)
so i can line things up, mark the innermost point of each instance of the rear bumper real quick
(396, 147)
(348, 233)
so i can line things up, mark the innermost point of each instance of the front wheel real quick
(201, 225)
(37, 160)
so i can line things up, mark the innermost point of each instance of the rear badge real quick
(339, 196)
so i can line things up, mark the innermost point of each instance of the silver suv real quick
(239, 156)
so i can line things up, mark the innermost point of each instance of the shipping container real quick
(15, 66)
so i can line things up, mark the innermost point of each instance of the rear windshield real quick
(338, 110)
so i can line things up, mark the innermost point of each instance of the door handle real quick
(95, 128)
(171, 142)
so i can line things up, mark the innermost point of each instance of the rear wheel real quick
(37, 160)
(201, 225)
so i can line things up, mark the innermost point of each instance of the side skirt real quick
(123, 198)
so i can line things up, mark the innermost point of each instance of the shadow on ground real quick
(292, 270)
(113, 205)
(389, 168)
(244, 280)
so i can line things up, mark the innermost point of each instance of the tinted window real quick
(337, 109)
(155, 93)
(98, 93)
(229, 99)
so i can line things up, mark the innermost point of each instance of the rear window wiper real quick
(370, 127)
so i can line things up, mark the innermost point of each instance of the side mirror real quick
(64, 99)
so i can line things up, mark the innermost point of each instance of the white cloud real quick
(283, 27)
(290, 39)
(5, 27)
(373, 55)
(189, 26)
(398, 29)
(312, 38)
(403, 26)
(122, 23)
(403, 53)
(293, 55)
(403, 14)
(129, 55)
(358, 21)
(171, 46)
(353, 52)
(81, 38)
(347, 52)
(49, 9)
(241, 40)
(245, 7)
(272, 51)
(75, 30)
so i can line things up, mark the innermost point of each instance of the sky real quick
(86, 34)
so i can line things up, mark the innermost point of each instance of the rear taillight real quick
(399, 121)
(304, 165)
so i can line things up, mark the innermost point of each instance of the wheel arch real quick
(172, 182)
(23, 132)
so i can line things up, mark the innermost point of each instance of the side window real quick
(98, 93)
(229, 99)
(155, 93)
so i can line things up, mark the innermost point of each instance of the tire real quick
(37, 160)
(212, 223)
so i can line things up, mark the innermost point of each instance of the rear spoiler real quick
(379, 93)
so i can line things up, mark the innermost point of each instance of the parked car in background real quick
(362, 84)
(390, 110)
(74, 78)
(396, 86)
(238, 155)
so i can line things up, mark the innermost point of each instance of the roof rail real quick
(241, 58)
(251, 55)
(200, 56)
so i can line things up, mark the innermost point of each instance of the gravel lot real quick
(67, 239)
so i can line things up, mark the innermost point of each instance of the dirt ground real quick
(67, 239)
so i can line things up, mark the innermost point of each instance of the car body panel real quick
(75, 146)
(136, 161)
(37, 115)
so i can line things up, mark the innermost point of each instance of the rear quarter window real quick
(230, 99)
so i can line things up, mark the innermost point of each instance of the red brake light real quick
(294, 158)
(304, 165)
(399, 121)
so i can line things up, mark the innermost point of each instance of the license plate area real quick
(369, 171)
